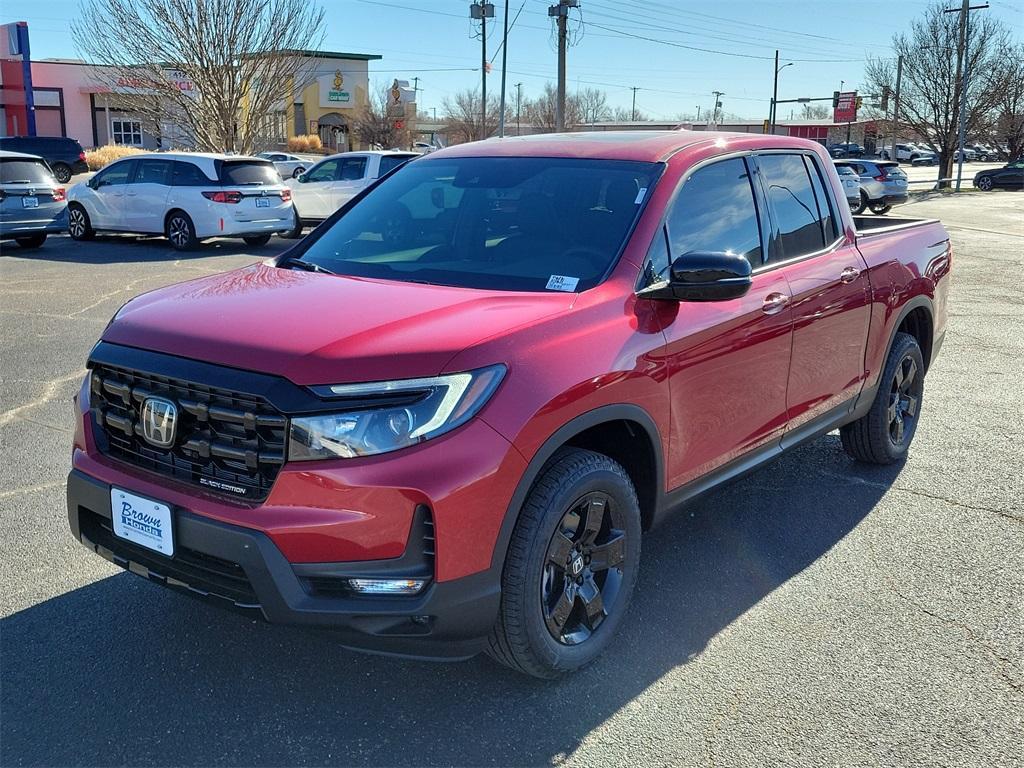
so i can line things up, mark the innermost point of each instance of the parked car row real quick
(64, 156)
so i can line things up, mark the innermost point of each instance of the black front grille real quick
(228, 443)
(205, 575)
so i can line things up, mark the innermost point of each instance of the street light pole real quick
(504, 62)
(775, 91)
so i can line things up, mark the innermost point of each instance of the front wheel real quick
(79, 225)
(985, 184)
(570, 568)
(862, 204)
(256, 240)
(32, 241)
(880, 208)
(884, 434)
(181, 232)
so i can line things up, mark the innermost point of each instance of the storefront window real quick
(126, 132)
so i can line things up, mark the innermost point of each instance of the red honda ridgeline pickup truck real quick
(441, 421)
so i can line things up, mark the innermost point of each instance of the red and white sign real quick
(846, 111)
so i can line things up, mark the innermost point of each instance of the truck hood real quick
(323, 329)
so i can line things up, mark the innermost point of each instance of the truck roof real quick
(645, 146)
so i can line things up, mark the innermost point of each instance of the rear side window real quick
(829, 226)
(25, 172)
(793, 204)
(389, 162)
(715, 211)
(248, 172)
(153, 172)
(189, 175)
(352, 169)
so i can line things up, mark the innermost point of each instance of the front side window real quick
(114, 175)
(126, 131)
(715, 211)
(326, 171)
(793, 205)
(515, 224)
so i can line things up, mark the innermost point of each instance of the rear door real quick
(728, 360)
(106, 206)
(353, 172)
(146, 196)
(829, 292)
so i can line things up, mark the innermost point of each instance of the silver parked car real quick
(32, 201)
(289, 166)
(882, 184)
(851, 184)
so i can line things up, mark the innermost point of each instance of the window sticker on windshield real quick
(562, 283)
(640, 196)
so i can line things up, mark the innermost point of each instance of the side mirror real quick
(301, 178)
(704, 276)
(93, 183)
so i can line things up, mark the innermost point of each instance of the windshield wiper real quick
(308, 266)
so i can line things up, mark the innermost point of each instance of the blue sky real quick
(434, 39)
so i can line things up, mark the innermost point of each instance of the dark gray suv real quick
(882, 184)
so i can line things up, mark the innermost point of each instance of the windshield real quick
(517, 224)
(241, 172)
(25, 171)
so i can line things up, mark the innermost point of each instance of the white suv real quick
(185, 196)
(335, 180)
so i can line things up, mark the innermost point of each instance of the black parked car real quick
(853, 149)
(1010, 175)
(64, 156)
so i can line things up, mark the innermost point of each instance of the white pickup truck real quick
(335, 180)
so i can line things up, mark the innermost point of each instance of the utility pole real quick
(561, 13)
(963, 65)
(482, 10)
(714, 116)
(519, 105)
(504, 61)
(698, 114)
(775, 94)
(634, 89)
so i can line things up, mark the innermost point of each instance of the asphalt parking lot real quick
(815, 613)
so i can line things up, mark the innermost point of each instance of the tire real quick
(549, 578)
(880, 208)
(859, 209)
(913, 157)
(985, 184)
(256, 240)
(296, 231)
(884, 434)
(298, 172)
(33, 241)
(79, 224)
(62, 172)
(180, 231)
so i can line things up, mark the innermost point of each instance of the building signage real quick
(846, 108)
(334, 91)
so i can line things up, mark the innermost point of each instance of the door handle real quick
(849, 274)
(774, 303)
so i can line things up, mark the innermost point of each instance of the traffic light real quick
(885, 97)
(835, 99)
(860, 102)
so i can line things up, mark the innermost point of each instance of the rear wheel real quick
(880, 208)
(62, 172)
(180, 231)
(296, 231)
(884, 434)
(571, 566)
(79, 225)
(298, 172)
(256, 240)
(33, 241)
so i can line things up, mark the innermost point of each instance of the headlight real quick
(388, 415)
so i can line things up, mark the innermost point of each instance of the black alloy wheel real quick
(904, 401)
(880, 209)
(583, 569)
(62, 172)
(180, 231)
(985, 184)
(861, 206)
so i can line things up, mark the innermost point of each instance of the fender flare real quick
(576, 426)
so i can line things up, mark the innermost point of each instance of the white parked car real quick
(851, 184)
(184, 195)
(335, 180)
(289, 166)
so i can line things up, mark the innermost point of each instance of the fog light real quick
(387, 586)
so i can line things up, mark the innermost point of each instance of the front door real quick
(146, 196)
(728, 361)
(313, 193)
(351, 179)
(830, 296)
(107, 203)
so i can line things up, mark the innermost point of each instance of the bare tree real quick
(1007, 80)
(930, 90)
(373, 126)
(593, 106)
(462, 116)
(540, 112)
(627, 115)
(239, 56)
(815, 112)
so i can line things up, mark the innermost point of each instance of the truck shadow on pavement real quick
(124, 672)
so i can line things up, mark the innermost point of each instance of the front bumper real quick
(241, 568)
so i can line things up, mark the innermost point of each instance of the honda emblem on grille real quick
(159, 421)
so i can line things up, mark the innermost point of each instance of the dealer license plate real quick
(30, 202)
(262, 202)
(142, 521)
